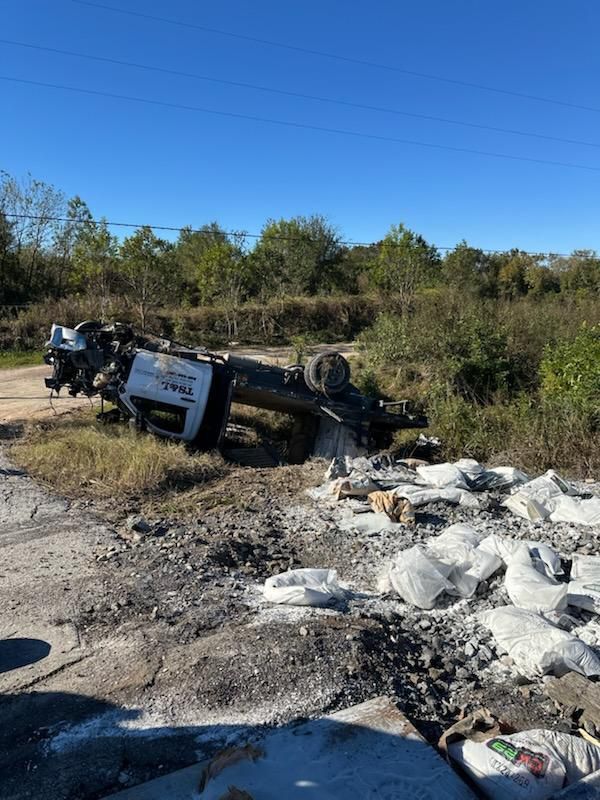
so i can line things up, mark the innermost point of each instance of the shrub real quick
(570, 371)
(459, 347)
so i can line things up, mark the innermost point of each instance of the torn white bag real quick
(526, 507)
(422, 495)
(529, 588)
(582, 511)
(458, 548)
(584, 594)
(304, 587)
(585, 567)
(536, 646)
(417, 577)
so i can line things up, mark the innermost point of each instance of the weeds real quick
(111, 461)
(20, 358)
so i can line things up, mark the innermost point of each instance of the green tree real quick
(541, 280)
(465, 268)
(570, 370)
(579, 272)
(7, 261)
(512, 276)
(66, 236)
(32, 206)
(405, 263)
(189, 252)
(298, 256)
(95, 261)
(147, 271)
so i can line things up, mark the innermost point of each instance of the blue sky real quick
(153, 164)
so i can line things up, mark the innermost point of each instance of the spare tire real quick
(327, 373)
(89, 325)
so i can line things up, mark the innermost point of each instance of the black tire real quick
(88, 325)
(327, 373)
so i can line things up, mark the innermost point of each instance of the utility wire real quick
(205, 232)
(337, 57)
(301, 95)
(300, 125)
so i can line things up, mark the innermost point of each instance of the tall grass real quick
(111, 460)
(20, 358)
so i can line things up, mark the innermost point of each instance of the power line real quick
(300, 125)
(205, 232)
(301, 95)
(337, 57)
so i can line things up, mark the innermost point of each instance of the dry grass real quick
(77, 453)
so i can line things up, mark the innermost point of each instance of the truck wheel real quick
(327, 373)
(88, 325)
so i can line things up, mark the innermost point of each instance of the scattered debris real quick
(552, 497)
(478, 727)
(398, 509)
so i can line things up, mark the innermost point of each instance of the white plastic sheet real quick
(530, 765)
(582, 511)
(304, 587)
(544, 558)
(536, 646)
(584, 594)
(526, 507)
(584, 587)
(552, 497)
(501, 478)
(357, 484)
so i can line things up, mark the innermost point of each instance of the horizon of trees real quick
(41, 258)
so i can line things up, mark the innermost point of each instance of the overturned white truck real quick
(186, 393)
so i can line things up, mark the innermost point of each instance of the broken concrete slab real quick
(577, 693)
(367, 750)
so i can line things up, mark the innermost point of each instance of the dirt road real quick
(24, 396)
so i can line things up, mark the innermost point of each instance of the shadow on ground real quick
(15, 653)
(61, 746)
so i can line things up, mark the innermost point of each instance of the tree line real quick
(51, 247)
